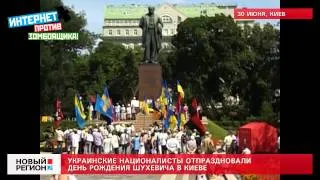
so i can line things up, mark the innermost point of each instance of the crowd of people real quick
(122, 111)
(119, 111)
(121, 138)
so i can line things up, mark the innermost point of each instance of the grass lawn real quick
(216, 131)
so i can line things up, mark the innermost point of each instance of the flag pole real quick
(145, 113)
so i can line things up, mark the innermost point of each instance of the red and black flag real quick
(195, 122)
(58, 115)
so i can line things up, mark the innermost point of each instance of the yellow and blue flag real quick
(166, 92)
(180, 90)
(163, 97)
(169, 114)
(79, 111)
(183, 119)
(104, 104)
(146, 108)
(173, 122)
(179, 102)
(154, 107)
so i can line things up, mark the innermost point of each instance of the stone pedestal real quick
(144, 121)
(150, 81)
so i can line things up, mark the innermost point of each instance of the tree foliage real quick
(217, 58)
(65, 70)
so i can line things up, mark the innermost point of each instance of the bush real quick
(266, 112)
(44, 126)
(225, 118)
(49, 126)
(68, 125)
(229, 124)
(236, 124)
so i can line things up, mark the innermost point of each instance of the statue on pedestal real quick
(151, 26)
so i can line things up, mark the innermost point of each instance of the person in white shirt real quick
(91, 110)
(105, 132)
(88, 143)
(82, 141)
(117, 128)
(163, 142)
(135, 103)
(98, 141)
(143, 140)
(75, 142)
(111, 128)
(59, 135)
(107, 146)
(227, 141)
(133, 112)
(123, 112)
(185, 110)
(68, 137)
(157, 137)
(101, 129)
(234, 137)
(191, 145)
(115, 143)
(122, 128)
(246, 150)
(129, 116)
(178, 137)
(129, 130)
(65, 136)
(234, 144)
(117, 110)
(279, 144)
(173, 145)
(124, 141)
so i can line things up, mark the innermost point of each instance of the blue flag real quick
(166, 92)
(179, 117)
(166, 121)
(79, 111)
(154, 107)
(99, 104)
(104, 104)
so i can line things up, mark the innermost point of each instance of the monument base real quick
(143, 121)
(150, 81)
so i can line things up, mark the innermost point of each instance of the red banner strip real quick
(187, 164)
(285, 13)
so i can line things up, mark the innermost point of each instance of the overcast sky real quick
(94, 8)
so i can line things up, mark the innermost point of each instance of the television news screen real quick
(160, 90)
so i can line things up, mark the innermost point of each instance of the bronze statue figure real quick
(151, 26)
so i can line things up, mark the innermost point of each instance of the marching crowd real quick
(125, 139)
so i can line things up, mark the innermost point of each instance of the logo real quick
(34, 163)
(44, 24)
(49, 166)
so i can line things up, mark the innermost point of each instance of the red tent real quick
(259, 137)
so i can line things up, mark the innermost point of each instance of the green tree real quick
(267, 112)
(264, 70)
(216, 58)
(116, 67)
(209, 48)
(58, 61)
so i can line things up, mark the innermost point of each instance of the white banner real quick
(24, 164)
